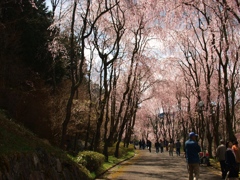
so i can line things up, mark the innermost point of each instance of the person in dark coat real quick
(178, 147)
(157, 145)
(140, 144)
(161, 146)
(143, 144)
(231, 163)
(149, 145)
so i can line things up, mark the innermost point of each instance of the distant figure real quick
(143, 144)
(231, 163)
(192, 149)
(157, 146)
(140, 144)
(170, 148)
(166, 144)
(236, 150)
(161, 146)
(220, 154)
(178, 147)
(149, 145)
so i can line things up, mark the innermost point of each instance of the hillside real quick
(17, 138)
(25, 156)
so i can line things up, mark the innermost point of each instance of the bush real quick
(122, 150)
(91, 160)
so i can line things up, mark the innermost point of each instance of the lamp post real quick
(161, 128)
(200, 105)
(212, 127)
(213, 106)
(213, 111)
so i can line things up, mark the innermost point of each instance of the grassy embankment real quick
(14, 138)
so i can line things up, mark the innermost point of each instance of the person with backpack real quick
(192, 150)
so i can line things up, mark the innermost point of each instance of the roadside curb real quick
(101, 174)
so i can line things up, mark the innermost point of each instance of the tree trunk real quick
(73, 88)
(105, 150)
(67, 118)
(116, 153)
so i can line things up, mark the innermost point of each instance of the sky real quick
(48, 4)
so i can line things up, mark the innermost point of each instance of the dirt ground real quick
(155, 166)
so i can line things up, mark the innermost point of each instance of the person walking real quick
(161, 146)
(220, 154)
(178, 147)
(170, 148)
(192, 157)
(166, 144)
(143, 144)
(231, 163)
(236, 150)
(140, 144)
(149, 145)
(157, 146)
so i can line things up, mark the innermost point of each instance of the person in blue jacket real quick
(192, 150)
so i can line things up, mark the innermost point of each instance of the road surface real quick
(156, 166)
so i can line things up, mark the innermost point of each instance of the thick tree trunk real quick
(228, 116)
(105, 150)
(116, 153)
(73, 88)
(97, 138)
(210, 140)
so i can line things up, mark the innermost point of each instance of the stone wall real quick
(39, 165)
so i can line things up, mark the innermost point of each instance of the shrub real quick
(91, 160)
(122, 150)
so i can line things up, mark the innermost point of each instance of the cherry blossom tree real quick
(196, 62)
(88, 19)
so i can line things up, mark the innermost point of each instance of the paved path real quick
(152, 166)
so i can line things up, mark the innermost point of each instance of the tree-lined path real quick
(151, 166)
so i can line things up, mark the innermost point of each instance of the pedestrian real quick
(149, 145)
(192, 149)
(236, 150)
(143, 144)
(170, 148)
(220, 154)
(161, 146)
(231, 163)
(166, 144)
(140, 144)
(178, 147)
(157, 146)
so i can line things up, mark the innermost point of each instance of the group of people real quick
(143, 144)
(228, 156)
(159, 146)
